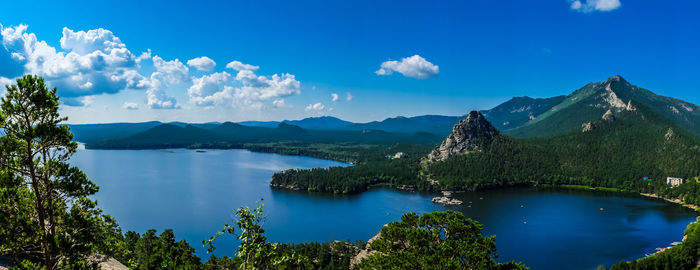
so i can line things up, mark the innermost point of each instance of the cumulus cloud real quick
(334, 97)
(157, 99)
(594, 5)
(251, 90)
(144, 56)
(348, 96)
(280, 103)
(202, 63)
(78, 101)
(210, 89)
(88, 63)
(318, 107)
(414, 67)
(130, 106)
(238, 66)
(168, 73)
(5, 81)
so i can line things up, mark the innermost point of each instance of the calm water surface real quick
(194, 194)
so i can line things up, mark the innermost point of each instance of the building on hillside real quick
(400, 155)
(674, 181)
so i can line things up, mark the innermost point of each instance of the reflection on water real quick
(194, 192)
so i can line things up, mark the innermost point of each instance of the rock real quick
(586, 127)
(467, 135)
(447, 201)
(630, 107)
(608, 116)
(106, 262)
(365, 252)
(669, 134)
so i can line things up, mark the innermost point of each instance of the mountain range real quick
(519, 117)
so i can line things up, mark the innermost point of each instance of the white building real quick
(400, 155)
(674, 181)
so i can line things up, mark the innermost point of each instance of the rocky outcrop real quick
(468, 135)
(586, 127)
(366, 252)
(608, 116)
(630, 107)
(447, 201)
(669, 134)
(105, 262)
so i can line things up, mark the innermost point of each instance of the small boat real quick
(601, 209)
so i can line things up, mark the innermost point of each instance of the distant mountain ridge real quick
(521, 117)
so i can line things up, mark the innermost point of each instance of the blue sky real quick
(459, 55)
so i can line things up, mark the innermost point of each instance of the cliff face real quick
(467, 135)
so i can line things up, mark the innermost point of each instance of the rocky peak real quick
(468, 135)
(616, 78)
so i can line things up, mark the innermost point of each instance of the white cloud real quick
(210, 89)
(202, 63)
(334, 97)
(280, 103)
(168, 73)
(5, 81)
(238, 66)
(253, 89)
(91, 62)
(130, 106)
(594, 5)
(318, 107)
(349, 97)
(157, 99)
(144, 56)
(414, 67)
(78, 101)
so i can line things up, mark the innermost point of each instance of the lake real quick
(194, 193)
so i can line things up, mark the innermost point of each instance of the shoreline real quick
(676, 201)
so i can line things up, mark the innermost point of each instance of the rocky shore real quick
(446, 199)
(678, 201)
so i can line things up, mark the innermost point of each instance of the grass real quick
(593, 188)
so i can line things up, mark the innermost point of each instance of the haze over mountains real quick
(520, 117)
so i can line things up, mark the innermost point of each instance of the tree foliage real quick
(50, 204)
(254, 251)
(445, 240)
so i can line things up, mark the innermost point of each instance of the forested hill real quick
(594, 99)
(232, 135)
(615, 150)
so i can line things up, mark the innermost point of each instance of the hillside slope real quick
(594, 99)
(617, 151)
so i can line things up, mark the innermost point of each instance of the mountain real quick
(267, 124)
(323, 122)
(233, 135)
(594, 99)
(618, 148)
(519, 110)
(435, 124)
(95, 132)
(467, 135)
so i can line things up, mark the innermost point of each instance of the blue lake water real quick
(195, 192)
